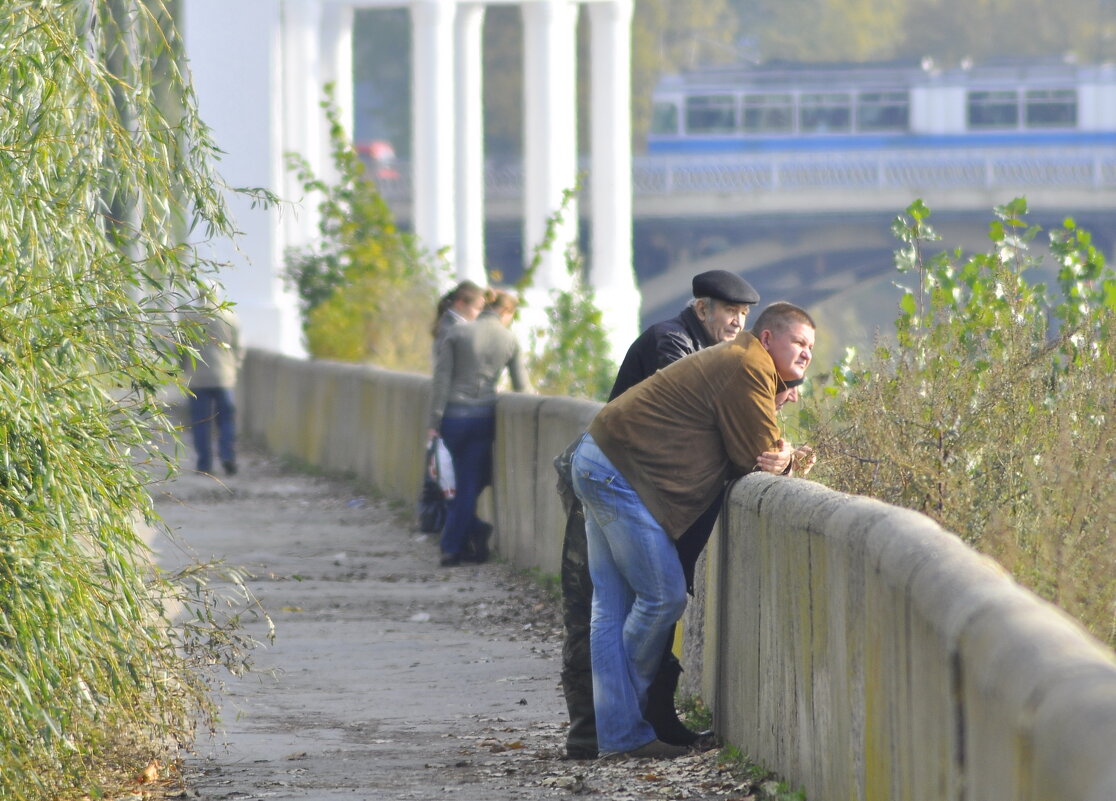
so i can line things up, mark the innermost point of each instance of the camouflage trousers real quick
(577, 603)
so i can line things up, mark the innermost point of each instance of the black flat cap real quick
(726, 286)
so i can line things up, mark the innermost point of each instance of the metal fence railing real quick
(681, 175)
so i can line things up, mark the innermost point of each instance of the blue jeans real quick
(469, 441)
(639, 593)
(213, 404)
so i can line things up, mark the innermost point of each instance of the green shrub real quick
(96, 175)
(367, 291)
(570, 354)
(992, 411)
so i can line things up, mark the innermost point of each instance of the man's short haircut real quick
(779, 316)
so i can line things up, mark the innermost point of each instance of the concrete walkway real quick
(393, 678)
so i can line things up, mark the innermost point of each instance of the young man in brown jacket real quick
(651, 462)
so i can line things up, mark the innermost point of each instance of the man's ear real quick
(765, 338)
(700, 309)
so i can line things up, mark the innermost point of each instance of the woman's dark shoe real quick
(478, 540)
(450, 559)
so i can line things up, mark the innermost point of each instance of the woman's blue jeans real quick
(639, 593)
(469, 441)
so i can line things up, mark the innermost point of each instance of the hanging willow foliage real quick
(105, 194)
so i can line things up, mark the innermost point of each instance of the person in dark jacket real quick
(717, 313)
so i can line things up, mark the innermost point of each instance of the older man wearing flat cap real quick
(717, 313)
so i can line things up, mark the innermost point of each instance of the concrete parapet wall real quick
(372, 423)
(530, 431)
(855, 648)
(865, 653)
(343, 417)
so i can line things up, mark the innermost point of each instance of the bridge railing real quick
(982, 169)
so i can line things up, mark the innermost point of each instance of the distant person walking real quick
(469, 362)
(211, 379)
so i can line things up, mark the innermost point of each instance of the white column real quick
(302, 114)
(433, 134)
(611, 272)
(337, 69)
(470, 143)
(550, 131)
(235, 62)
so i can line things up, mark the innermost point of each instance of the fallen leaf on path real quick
(150, 773)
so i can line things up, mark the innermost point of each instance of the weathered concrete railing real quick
(855, 648)
(871, 655)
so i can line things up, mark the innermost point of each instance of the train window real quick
(830, 112)
(999, 109)
(768, 113)
(883, 111)
(1051, 108)
(710, 114)
(664, 118)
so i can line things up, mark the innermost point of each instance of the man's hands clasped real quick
(786, 459)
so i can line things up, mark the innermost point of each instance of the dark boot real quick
(581, 739)
(478, 542)
(660, 711)
(577, 662)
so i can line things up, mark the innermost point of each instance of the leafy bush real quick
(367, 291)
(992, 411)
(363, 285)
(95, 176)
(570, 354)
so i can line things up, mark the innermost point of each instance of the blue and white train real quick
(780, 107)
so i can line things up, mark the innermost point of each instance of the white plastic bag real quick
(441, 469)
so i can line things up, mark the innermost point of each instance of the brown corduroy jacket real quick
(680, 434)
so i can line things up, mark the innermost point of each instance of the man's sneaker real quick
(230, 467)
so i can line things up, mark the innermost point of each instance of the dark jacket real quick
(661, 344)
